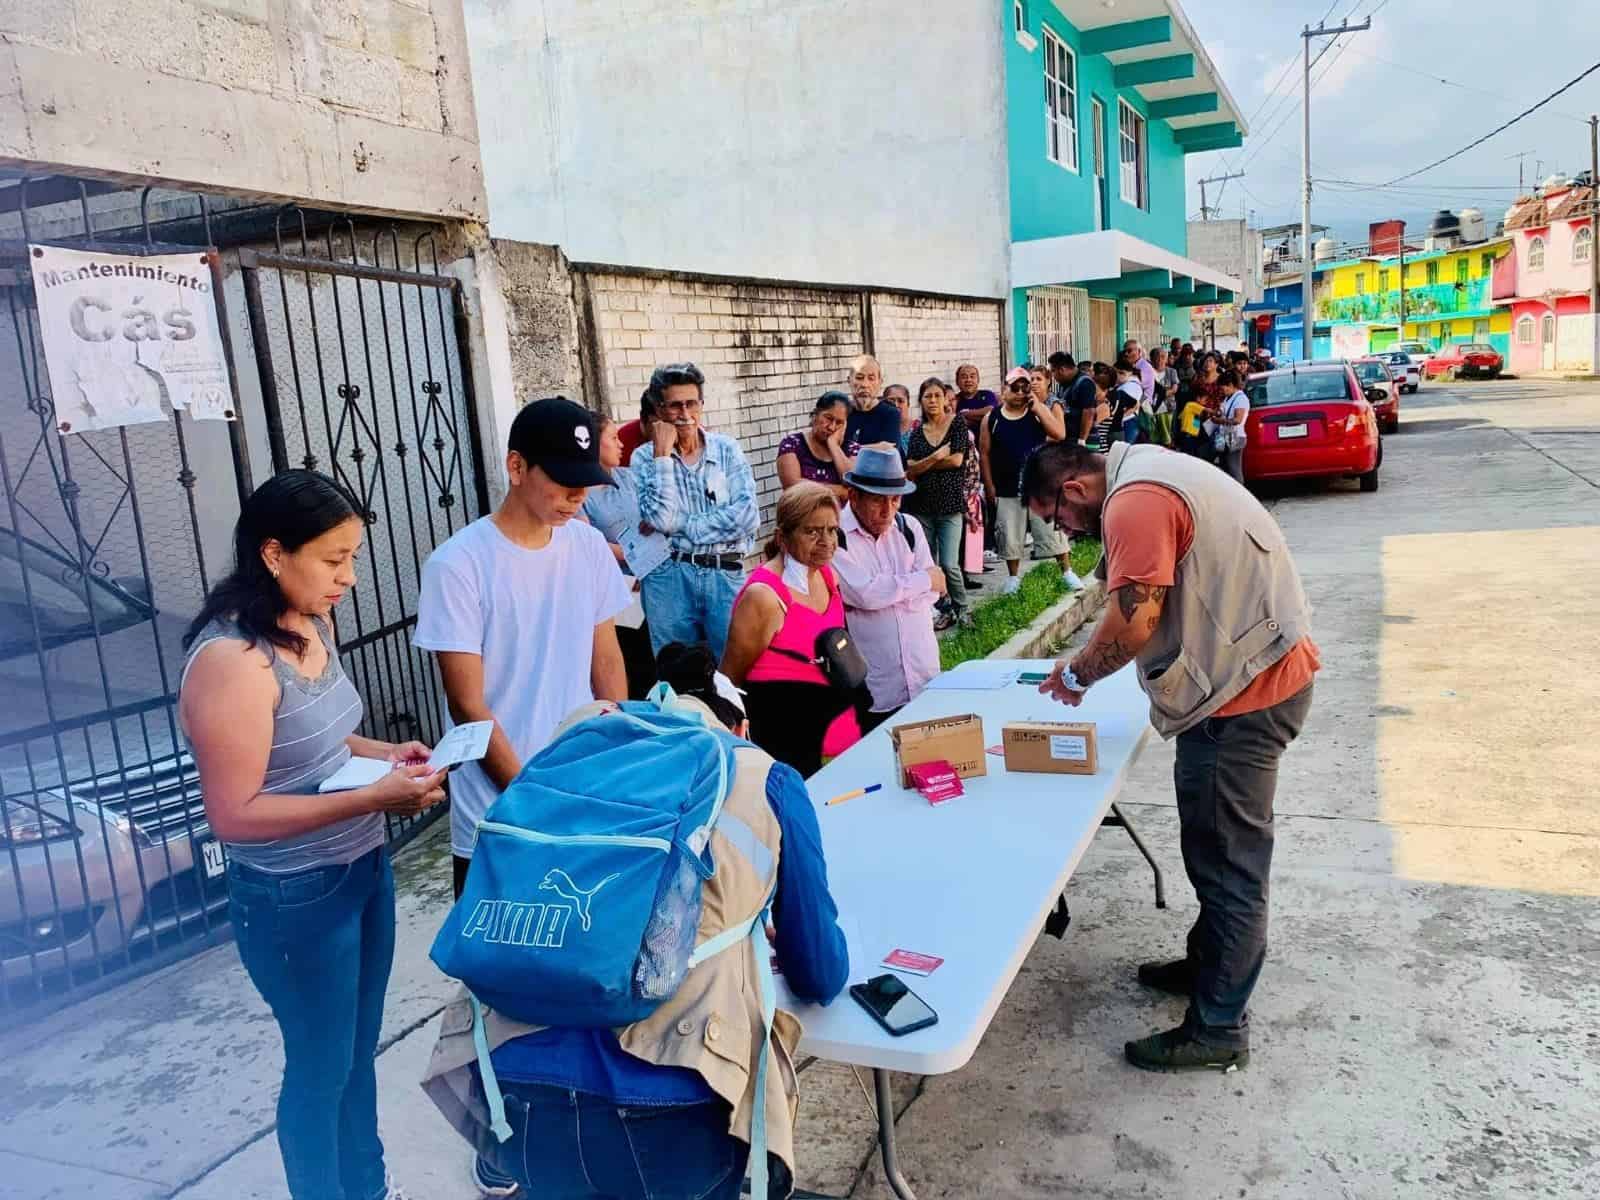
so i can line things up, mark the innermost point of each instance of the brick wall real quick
(918, 336)
(769, 351)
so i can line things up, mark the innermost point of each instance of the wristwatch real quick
(1070, 681)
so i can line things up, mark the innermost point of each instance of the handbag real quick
(836, 655)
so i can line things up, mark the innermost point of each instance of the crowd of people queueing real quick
(881, 522)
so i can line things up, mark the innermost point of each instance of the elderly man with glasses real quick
(696, 487)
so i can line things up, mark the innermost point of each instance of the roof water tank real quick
(1323, 249)
(1554, 183)
(1473, 227)
(1445, 224)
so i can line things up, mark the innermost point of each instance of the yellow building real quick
(1448, 299)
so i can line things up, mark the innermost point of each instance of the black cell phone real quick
(893, 1005)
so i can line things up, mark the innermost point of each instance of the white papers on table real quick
(977, 675)
(464, 743)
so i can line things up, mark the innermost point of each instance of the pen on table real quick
(861, 791)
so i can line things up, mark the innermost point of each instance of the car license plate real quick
(1291, 431)
(211, 855)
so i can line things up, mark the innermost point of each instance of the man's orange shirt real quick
(1147, 531)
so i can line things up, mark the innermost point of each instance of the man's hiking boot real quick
(1176, 1050)
(1175, 977)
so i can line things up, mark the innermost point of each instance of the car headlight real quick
(28, 825)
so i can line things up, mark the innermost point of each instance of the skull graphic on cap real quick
(581, 435)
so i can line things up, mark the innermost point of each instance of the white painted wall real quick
(843, 141)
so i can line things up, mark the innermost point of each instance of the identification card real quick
(912, 962)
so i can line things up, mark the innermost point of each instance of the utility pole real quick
(1306, 278)
(1205, 213)
(1594, 251)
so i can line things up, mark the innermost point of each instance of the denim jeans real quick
(318, 945)
(944, 540)
(688, 603)
(1226, 777)
(566, 1145)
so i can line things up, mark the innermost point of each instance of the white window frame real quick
(1525, 330)
(1582, 240)
(1129, 117)
(1536, 253)
(1361, 283)
(1019, 16)
(1060, 127)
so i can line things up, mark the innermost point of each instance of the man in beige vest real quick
(1206, 602)
(665, 1106)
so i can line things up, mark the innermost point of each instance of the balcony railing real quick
(1430, 300)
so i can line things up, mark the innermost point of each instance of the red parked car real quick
(1312, 421)
(1466, 361)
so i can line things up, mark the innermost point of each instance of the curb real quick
(1060, 620)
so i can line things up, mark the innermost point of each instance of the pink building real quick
(1545, 281)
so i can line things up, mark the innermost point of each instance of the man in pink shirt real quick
(889, 582)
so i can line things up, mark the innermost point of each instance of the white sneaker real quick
(1070, 578)
(1012, 584)
(990, 558)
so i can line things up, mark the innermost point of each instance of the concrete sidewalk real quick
(1426, 1025)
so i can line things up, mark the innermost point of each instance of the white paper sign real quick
(129, 338)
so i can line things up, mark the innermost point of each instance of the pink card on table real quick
(910, 960)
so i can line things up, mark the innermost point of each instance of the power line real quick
(1571, 83)
(1466, 87)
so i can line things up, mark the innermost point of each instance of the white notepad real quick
(464, 743)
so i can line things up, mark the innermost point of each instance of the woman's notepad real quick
(464, 743)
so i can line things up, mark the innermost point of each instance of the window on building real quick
(1536, 254)
(1019, 16)
(1061, 102)
(1432, 272)
(1488, 264)
(1463, 269)
(1383, 281)
(1134, 165)
(1524, 331)
(1361, 283)
(1582, 245)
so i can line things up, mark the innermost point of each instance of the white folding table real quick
(972, 880)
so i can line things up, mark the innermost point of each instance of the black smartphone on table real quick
(893, 1005)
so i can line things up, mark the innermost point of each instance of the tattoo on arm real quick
(1100, 659)
(1130, 596)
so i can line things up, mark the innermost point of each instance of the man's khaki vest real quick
(712, 1024)
(1236, 606)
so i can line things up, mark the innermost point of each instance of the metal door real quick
(358, 347)
(1103, 330)
(1547, 342)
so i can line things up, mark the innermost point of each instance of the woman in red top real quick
(795, 714)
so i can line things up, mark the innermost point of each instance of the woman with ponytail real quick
(269, 715)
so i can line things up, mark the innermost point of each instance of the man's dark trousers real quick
(1226, 776)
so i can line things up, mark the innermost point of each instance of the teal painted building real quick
(1103, 106)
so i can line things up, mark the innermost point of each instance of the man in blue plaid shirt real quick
(695, 487)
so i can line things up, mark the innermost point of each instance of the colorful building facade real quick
(1544, 290)
(1103, 105)
(1448, 298)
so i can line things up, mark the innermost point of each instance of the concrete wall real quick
(844, 142)
(362, 104)
(769, 351)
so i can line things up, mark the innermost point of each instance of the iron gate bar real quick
(431, 692)
(251, 258)
(469, 404)
(406, 657)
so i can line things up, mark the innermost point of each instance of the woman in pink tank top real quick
(795, 714)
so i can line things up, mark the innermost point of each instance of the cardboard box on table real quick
(1051, 747)
(956, 740)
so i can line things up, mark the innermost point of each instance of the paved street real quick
(1428, 1023)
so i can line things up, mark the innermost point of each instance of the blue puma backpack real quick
(581, 908)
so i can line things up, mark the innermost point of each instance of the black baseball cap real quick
(562, 439)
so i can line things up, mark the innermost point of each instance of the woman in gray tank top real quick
(269, 715)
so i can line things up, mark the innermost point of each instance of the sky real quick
(1429, 77)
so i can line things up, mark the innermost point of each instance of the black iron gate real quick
(358, 347)
(109, 540)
